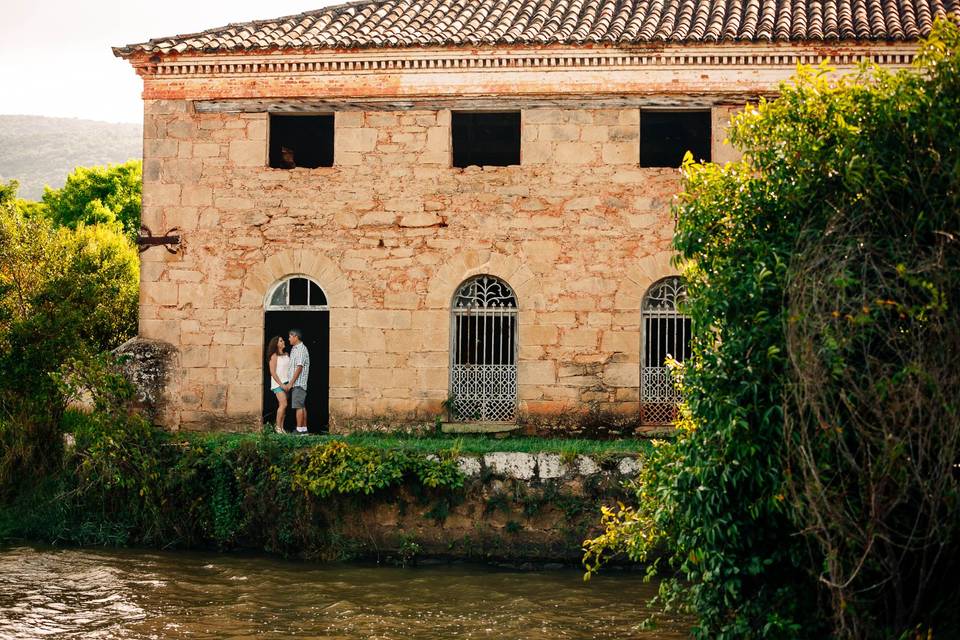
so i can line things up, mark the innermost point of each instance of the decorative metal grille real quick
(665, 334)
(296, 293)
(483, 353)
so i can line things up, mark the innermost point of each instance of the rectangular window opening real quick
(666, 136)
(485, 340)
(301, 141)
(666, 337)
(486, 139)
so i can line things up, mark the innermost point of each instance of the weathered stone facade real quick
(578, 229)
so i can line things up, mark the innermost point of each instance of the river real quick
(83, 593)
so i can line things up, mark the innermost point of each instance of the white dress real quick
(283, 371)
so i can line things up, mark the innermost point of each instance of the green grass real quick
(469, 444)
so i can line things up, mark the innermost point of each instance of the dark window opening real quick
(666, 337)
(486, 139)
(485, 339)
(298, 291)
(301, 141)
(666, 136)
(316, 295)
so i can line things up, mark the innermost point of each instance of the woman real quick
(279, 363)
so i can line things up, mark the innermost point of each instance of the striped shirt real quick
(299, 356)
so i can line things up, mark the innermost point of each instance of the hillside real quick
(38, 151)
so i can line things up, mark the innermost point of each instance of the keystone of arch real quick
(467, 264)
(639, 276)
(315, 265)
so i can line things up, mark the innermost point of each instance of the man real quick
(299, 372)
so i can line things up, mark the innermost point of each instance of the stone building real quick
(464, 204)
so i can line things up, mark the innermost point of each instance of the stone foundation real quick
(515, 507)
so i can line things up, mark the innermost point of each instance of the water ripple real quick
(67, 593)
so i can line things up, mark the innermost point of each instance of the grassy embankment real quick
(127, 483)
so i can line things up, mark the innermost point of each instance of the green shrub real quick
(109, 195)
(873, 338)
(840, 181)
(66, 296)
(336, 467)
(126, 482)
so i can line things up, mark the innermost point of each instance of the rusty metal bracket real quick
(168, 241)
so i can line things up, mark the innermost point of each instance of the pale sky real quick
(55, 57)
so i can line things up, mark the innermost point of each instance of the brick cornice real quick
(534, 59)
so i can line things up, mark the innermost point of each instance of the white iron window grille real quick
(483, 351)
(665, 334)
(296, 293)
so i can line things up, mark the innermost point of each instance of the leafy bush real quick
(65, 294)
(336, 467)
(873, 338)
(127, 482)
(779, 489)
(62, 292)
(107, 196)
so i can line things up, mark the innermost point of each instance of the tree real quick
(99, 195)
(66, 296)
(63, 293)
(811, 489)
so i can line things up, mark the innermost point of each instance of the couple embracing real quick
(288, 374)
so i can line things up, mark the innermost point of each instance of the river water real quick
(68, 593)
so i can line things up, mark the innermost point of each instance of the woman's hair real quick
(272, 347)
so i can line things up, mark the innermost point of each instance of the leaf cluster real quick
(108, 195)
(62, 291)
(723, 501)
(336, 467)
(126, 482)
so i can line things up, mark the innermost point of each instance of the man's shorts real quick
(298, 397)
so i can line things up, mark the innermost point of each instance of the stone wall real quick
(579, 231)
(515, 507)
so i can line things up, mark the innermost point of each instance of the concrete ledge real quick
(479, 427)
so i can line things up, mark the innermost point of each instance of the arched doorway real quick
(297, 302)
(665, 333)
(483, 353)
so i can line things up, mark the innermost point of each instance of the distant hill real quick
(38, 151)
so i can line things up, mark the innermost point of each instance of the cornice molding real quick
(490, 61)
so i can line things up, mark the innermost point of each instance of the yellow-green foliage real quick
(107, 195)
(62, 289)
(336, 467)
(66, 294)
(127, 482)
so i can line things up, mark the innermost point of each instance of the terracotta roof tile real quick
(412, 23)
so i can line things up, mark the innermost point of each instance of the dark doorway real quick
(315, 326)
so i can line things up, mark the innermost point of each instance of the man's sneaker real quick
(302, 430)
(278, 428)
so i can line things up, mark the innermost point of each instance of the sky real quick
(55, 57)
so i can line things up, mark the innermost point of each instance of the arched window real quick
(296, 293)
(483, 354)
(297, 302)
(665, 333)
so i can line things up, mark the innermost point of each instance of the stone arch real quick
(639, 276)
(467, 264)
(323, 270)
